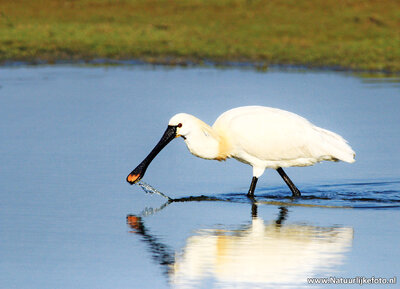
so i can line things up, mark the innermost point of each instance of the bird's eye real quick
(179, 125)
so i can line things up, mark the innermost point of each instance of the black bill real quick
(140, 170)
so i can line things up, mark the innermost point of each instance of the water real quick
(150, 190)
(70, 135)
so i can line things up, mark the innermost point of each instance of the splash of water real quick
(150, 190)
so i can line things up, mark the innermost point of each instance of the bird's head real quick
(184, 123)
(179, 125)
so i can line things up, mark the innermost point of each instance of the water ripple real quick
(376, 195)
(383, 194)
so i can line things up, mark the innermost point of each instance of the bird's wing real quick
(267, 133)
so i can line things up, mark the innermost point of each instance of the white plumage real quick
(267, 137)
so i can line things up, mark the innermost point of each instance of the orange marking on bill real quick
(132, 178)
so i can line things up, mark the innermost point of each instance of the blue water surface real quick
(70, 134)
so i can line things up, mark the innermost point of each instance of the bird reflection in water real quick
(271, 253)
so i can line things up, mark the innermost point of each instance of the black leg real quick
(250, 194)
(288, 181)
(254, 210)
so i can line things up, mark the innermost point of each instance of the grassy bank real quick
(354, 34)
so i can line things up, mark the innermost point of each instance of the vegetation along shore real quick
(348, 34)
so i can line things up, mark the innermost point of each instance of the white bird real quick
(262, 137)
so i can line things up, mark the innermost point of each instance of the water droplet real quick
(150, 190)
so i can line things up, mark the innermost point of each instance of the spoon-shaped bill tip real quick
(133, 178)
(140, 170)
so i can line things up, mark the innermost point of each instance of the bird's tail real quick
(336, 146)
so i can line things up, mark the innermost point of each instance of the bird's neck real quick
(207, 143)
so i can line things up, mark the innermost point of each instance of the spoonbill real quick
(262, 137)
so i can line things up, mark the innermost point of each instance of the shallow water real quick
(71, 134)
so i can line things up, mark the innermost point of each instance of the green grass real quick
(353, 34)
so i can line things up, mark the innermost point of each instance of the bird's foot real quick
(250, 195)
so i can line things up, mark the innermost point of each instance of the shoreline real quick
(260, 66)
